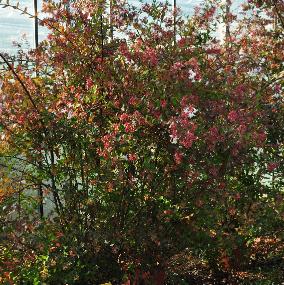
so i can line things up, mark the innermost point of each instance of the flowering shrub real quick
(147, 138)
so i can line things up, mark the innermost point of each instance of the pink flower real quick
(242, 129)
(116, 128)
(138, 44)
(188, 112)
(163, 103)
(271, 166)
(184, 101)
(173, 130)
(193, 62)
(132, 156)
(188, 140)
(212, 137)
(213, 51)
(72, 89)
(234, 151)
(116, 103)
(107, 144)
(133, 101)
(178, 157)
(157, 114)
(213, 171)
(124, 49)
(21, 119)
(150, 56)
(261, 137)
(89, 83)
(124, 117)
(277, 88)
(182, 42)
(232, 116)
(178, 66)
(197, 77)
(222, 185)
(146, 8)
(129, 128)
(214, 132)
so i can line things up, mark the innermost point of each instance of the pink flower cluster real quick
(188, 139)
(272, 166)
(232, 116)
(123, 49)
(150, 56)
(183, 131)
(187, 69)
(89, 83)
(178, 157)
(213, 136)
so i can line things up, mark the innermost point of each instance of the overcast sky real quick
(13, 25)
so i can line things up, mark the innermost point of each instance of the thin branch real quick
(20, 81)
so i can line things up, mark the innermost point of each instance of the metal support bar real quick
(175, 20)
(110, 18)
(36, 23)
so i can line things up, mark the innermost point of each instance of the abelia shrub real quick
(147, 138)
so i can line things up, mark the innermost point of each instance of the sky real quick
(14, 26)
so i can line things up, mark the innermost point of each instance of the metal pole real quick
(110, 18)
(228, 5)
(175, 20)
(40, 190)
(36, 23)
(40, 197)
